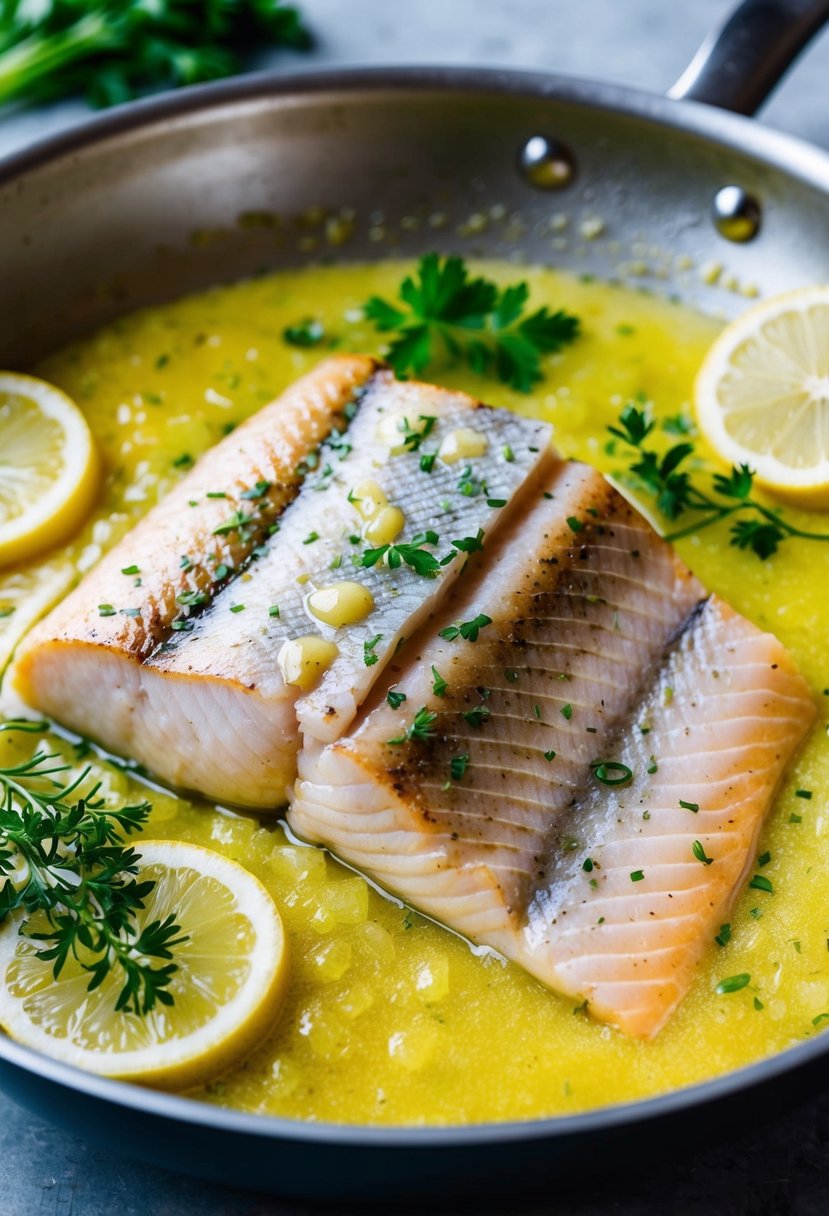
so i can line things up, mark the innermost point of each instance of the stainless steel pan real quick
(177, 193)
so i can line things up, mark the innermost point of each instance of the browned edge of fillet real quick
(267, 450)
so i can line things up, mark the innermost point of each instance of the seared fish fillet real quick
(485, 803)
(85, 663)
(210, 702)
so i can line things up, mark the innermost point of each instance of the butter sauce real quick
(390, 1018)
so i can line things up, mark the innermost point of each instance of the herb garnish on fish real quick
(447, 314)
(66, 858)
(420, 728)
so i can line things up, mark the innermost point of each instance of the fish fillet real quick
(201, 699)
(495, 817)
(85, 663)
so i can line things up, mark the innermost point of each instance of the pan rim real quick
(180, 1109)
(787, 153)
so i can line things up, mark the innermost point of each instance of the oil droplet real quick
(303, 660)
(462, 444)
(341, 604)
(385, 527)
(369, 498)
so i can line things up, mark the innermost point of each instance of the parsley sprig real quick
(63, 856)
(669, 480)
(411, 554)
(115, 49)
(421, 728)
(448, 314)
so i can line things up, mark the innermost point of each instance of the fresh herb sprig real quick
(113, 50)
(64, 856)
(669, 480)
(411, 554)
(447, 313)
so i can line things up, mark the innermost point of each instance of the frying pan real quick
(677, 195)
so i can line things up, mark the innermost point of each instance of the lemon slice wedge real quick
(48, 466)
(25, 596)
(228, 989)
(762, 394)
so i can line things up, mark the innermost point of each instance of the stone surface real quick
(781, 1171)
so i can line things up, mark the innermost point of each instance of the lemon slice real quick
(762, 394)
(25, 596)
(48, 466)
(228, 989)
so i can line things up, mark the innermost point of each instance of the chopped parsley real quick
(698, 850)
(419, 729)
(566, 711)
(236, 521)
(468, 630)
(470, 544)
(611, 772)
(395, 699)
(369, 657)
(807, 794)
(477, 716)
(311, 537)
(273, 610)
(724, 936)
(458, 766)
(637, 875)
(550, 755)
(130, 570)
(760, 883)
(413, 555)
(439, 685)
(256, 491)
(305, 333)
(733, 983)
(106, 610)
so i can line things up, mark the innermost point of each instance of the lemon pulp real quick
(227, 989)
(48, 466)
(762, 394)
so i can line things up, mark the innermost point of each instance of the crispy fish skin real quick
(486, 820)
(87, 669)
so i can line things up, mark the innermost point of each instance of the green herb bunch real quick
(64, 856)
(113, 50)
(448, 314)
(668, 478)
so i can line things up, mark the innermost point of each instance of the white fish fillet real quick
(495, 820)
(190, 686)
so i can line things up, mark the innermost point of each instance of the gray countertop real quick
(781, 1170)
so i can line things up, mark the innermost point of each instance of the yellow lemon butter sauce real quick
(389, 1018)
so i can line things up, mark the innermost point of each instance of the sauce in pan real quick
(391, 1018)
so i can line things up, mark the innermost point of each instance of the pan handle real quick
(739, 64)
